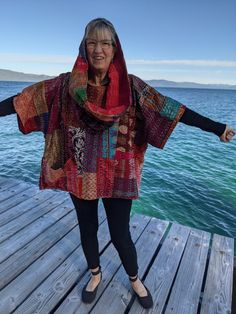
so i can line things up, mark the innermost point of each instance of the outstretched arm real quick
(6, 106)
(157, 116)
(193, 118)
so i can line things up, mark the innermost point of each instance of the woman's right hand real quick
(227, 135)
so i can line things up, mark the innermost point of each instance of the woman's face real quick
(100, 51)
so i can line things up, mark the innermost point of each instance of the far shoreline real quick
(202, 87)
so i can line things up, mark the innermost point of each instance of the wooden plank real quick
(17, 290)
(6, 183)
(31, 215)
(161, 275)
(217, 297)
(3, 179)
(110, 263)
(45, 261)
(18, 198)
(185, 294)
(234, 288)
(11, 191)
(27, 234)
(23, 207)
(21, 259)
(119, 292)
(7, 179)
(4, 209)
(46, 296)
(22, 286)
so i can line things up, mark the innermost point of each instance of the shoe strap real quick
(96, 272)
(133, 279)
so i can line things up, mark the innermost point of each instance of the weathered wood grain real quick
(21, 287)
(11, 191)
(26, 255)
(217, 296)
(43, 268)
(29, 232)
(18, 198)
(16, 225)
(164, 268)
(6, 183)
(186, 291)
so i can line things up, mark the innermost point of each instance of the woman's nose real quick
(98, 47)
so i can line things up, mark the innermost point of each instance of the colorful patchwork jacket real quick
(95, 164)
(93, 151)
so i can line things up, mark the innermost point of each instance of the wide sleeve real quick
(34, 103)
(160, 113)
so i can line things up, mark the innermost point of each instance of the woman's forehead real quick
(100, 34)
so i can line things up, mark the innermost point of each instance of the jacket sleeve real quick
(33, 105)
(160, 113)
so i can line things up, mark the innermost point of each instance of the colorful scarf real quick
(118, 95)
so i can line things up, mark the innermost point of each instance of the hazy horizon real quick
(153, 79)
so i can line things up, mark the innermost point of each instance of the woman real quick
(97, 121)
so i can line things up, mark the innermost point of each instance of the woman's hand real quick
(227, 135)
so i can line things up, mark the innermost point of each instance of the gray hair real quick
(99, 25)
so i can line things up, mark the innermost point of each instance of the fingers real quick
(229, 135)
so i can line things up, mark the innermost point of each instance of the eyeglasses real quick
(105, 44)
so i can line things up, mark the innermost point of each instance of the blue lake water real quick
(191, 181)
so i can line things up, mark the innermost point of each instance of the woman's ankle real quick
(133, 278)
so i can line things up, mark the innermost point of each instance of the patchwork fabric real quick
(170, 108)
(105, 176)
(93, 150)
(125, 188)
(160, 114)
(89, 186)
(95, 140)
(78, 140)
(109, 141)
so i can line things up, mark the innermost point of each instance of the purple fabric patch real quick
(92, 151)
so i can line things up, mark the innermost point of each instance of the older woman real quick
(97, 121)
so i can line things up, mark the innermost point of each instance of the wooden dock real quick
(43, 269)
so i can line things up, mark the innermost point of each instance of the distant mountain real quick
(8, 75)
(164, 83)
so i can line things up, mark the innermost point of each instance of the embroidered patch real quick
(109, 141)
(78, 140)
(170, 109)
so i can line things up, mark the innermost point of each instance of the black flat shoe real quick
(89, 296)
(146, 302)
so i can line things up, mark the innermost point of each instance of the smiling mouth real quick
(98, 58)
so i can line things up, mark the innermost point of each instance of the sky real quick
(176, 40)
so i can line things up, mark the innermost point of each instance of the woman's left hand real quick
(227, 135)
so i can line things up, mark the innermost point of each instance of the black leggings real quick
(118, 217)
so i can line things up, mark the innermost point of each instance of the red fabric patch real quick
(105, 176)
